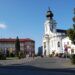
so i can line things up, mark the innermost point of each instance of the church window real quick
(58, 44)
(44, 44)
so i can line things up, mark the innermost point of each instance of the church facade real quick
(55, 41)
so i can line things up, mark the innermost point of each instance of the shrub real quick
(56, 54)
(12, 55)
(60, 54)
(73, 59)
(35, 55)
(2, 57)
(21, 55)
(50, 55)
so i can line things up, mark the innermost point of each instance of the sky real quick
(25, 18)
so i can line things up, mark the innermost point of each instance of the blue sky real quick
(25, 18)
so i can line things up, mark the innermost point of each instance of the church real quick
(55, 41)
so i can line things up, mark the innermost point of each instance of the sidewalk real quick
(65, 62)
(16, 61)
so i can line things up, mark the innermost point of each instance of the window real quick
(44, 44)
(58, 44)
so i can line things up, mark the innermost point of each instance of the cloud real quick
(3, 26)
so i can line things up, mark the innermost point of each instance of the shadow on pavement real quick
(27, 69)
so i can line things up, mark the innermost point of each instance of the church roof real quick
(61, 31)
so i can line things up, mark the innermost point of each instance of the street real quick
(39, 66)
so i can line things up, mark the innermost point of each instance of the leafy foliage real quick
(71, 34)
(73, 59)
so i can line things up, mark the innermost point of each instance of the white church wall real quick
(70, 47)
(44, 40)
(66, 42)
(73, 48)
(54, 44)
(59, 44)
(45, 46)
(47, 26)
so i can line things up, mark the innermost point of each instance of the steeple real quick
(49, 14)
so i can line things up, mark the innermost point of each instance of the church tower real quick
(50, 23)
(50, 29)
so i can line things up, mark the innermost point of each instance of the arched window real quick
(58, 44)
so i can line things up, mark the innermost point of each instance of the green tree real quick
(71, 31)
(71, 34)
(17, 46)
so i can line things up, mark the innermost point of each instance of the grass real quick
(11, 58)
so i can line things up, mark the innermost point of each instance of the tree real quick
(17, 46)
(71, 31)
(71, 34)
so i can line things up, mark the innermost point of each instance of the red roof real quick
(13, 40)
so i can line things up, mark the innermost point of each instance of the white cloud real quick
(3, 26)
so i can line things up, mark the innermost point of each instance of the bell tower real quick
(49, 14)
(50, 23)
(50, 29)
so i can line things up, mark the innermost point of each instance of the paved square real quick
(38, 66)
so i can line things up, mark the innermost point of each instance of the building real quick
(8, 44)
(55, 41)
(40, 50)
